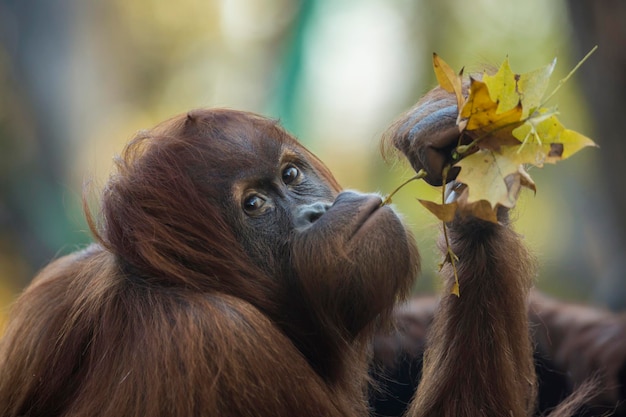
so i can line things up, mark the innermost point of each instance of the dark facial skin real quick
(275, 201)
(323, 244)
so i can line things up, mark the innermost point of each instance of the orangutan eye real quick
(253, 203)
(290, 174)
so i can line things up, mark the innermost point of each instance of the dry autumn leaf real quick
(544, 139)
(484, 173)
(483, 123)
(444, 212)
(448, 79)
(509, 129)
(504, 119)
(509, 89)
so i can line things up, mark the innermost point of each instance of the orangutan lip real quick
(366, 213)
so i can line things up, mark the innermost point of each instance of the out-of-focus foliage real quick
(77, 79)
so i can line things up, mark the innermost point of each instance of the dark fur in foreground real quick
(573, 344)
(188, 306)
(483, 335)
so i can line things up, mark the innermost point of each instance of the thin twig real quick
(420, 174)
(450, 255)
(568, 76)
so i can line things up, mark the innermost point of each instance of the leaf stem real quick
(461, 149)
(420, 174)
(450, 254)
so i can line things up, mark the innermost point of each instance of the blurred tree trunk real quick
(36, 36)
(603, 79)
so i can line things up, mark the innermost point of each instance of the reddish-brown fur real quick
(574, 344)
(479, 357)
(584, 343)
(180, 310)
(481, 339)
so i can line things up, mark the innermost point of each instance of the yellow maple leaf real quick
(508, 128)
(509, 89)
(486, 126)
(493, 177)
(484, 173)
(545, 139)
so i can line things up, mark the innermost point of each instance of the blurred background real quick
(79, 78)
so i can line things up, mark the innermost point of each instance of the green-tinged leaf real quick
(532, 86)
(484, 173)
(545, 139)
(502, 87)
(509, 89)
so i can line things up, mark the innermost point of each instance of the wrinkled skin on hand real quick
(427, 134)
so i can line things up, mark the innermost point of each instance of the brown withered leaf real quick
(448, 79)
(444, 212)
